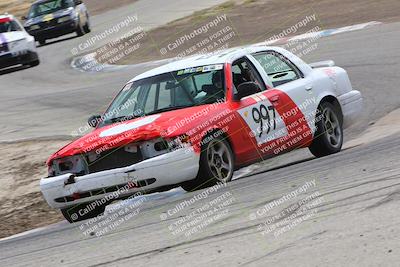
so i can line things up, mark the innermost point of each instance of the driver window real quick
(278, 68)
(243, 71)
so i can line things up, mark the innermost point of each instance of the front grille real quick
(47, 24)
(112, 159)
(96, 192)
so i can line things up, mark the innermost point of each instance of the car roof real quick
(219, 57)
(4, 16)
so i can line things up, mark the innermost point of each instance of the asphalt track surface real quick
(355, 225)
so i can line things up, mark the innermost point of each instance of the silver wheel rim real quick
(219, 160)
(332, 126)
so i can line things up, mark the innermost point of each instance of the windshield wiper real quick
(120, 119)
(168, 109)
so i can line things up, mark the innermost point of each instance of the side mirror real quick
(246, 89)
(78, 2)
(24, 18)
(94, 120)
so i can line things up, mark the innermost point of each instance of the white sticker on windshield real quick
(201, 69)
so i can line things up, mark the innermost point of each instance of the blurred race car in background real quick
(193, 122)
(49, 19)
(16, 45)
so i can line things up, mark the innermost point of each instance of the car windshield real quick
(9, 26)
(169, 91)
(48, 7)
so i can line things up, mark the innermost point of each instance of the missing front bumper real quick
(168, 169)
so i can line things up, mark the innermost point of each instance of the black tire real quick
(34, 63)
(79, 29)
(328, 138)
(86, 28)
(216, 164)
(72, 214)
(42, 41)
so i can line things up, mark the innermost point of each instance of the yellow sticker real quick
(246, 113)
(48, 17)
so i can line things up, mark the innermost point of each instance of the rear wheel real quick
(34, 63)
(83, 211)
(329, 134)
(216, 164)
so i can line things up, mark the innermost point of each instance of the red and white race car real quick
(193, 122)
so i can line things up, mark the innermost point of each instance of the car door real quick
(297, 98)
(260, 113)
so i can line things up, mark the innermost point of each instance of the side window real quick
(278, 68)
(68, 3)
(243, 71)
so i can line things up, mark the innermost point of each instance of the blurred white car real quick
(16, 45)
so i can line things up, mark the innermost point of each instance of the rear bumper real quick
(352, 105)
(54, 31)
(22, 57)
(168, 169)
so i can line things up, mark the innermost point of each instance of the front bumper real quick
(53, 30)
(22, 57)
(352, 105)
(168, 169)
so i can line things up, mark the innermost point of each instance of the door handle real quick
(309, 88)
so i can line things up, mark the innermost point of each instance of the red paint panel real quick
(4, 20)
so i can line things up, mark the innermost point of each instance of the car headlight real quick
(74, 164)
(34, 27)
(160, 146)
(171, 144)
(64, 19)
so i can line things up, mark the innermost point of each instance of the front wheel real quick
(83, 211)
(86, 28)
(216, 164)
(79, 30)
(34, 63)
(329, 134)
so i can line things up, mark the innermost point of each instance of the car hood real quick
(166, 124)
(8, 37)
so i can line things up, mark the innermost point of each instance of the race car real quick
(193, 122)
(49, 19)
(16, 45)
